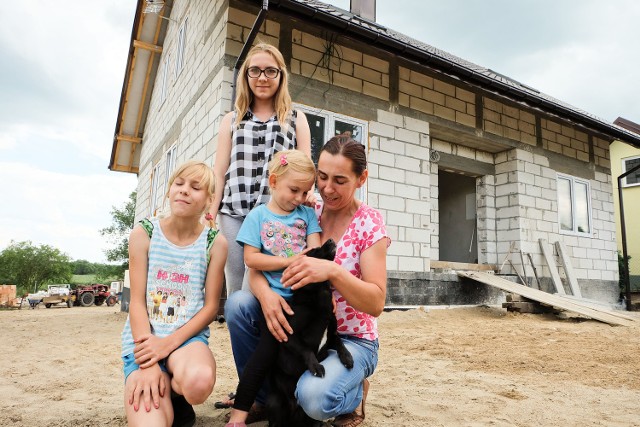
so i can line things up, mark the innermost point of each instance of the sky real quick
(63, 63)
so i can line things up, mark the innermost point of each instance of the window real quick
(155, 190)
(325, 124)
(633, 178)
(170, 165)
(182, 35)
(165, 79)
(574, 205)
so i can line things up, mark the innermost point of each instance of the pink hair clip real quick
(283, 160)
(208, 216)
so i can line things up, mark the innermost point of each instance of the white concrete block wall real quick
(400, 189)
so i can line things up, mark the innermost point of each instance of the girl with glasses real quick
(262, 123)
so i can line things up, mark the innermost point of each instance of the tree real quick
(31, 267)
(118, 232)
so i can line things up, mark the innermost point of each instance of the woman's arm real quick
(366, 294)
(221, 163)
(150, 349)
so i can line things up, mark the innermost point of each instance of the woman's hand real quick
(274, 307)
(150, 349)
(147, 385)
(305, 270)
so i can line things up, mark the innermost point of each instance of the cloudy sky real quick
(63, 66)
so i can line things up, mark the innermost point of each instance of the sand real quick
(478, 366)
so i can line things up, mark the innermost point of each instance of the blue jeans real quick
(338, 392)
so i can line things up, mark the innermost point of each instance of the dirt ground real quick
(479, 366)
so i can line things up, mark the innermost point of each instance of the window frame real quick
(573, 181)
(181, 47)
(155, 180)
(624, 161)
(329, 131)
(170, 164)
(165, 79)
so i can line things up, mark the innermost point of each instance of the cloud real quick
(62, 210)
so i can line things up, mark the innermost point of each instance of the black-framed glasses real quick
(269, 72)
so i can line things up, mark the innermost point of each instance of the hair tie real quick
(283, 160)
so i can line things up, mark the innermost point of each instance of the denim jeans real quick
(338, 392)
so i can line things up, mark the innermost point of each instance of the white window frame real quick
(330, 131)
(165, 79)
(624, 169)
(573, 181)
(181, 47)
(155, 181)
(170, 165)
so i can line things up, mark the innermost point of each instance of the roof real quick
(147, 37)
(414, 50)
(627, 124)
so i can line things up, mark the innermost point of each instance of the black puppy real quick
(314, 333)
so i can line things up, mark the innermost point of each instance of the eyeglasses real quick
(269, 72)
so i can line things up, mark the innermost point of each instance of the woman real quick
(358, 275)
(262, 124)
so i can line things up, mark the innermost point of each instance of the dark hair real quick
(349, 148)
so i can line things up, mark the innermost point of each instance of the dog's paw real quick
(317, 370)
(347, 360)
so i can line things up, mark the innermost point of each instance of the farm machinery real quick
(97, 294)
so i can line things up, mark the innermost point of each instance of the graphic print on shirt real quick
(168, 293)
(282, 240)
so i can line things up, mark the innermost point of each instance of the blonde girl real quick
(168, 365)
(273, 236)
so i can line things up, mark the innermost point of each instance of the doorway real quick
(458, 219)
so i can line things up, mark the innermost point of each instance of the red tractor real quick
(96, 294)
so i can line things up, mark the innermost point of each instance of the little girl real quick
(273, 235)
(168, 365)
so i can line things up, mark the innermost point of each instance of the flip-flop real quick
(225, 404)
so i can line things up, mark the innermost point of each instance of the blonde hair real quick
(282, 98)
(196, 170)
(295, 160)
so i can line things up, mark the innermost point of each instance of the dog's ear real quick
(328, 250)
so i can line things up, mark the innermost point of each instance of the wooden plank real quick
(450, 265)
(551, 263)
(568, 269)
(597, 305)
(545, 298)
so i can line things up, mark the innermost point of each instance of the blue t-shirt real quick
(278, 235)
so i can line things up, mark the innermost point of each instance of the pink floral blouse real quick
(365, 229)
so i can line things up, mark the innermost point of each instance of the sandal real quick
(224, 404)
(240, 424)
(356, 417)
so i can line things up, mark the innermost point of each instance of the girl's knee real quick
(198, 386)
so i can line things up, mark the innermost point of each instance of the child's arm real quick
(149, 379)
(253, 258)
(155, 348)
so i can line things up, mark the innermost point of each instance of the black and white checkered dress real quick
(253, 145)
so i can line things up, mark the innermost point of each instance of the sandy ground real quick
(477, 366)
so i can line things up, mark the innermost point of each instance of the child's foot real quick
(183, 413)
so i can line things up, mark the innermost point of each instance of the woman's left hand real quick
(305, 270)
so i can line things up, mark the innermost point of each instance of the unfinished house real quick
(471, 169)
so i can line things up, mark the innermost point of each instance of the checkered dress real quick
(253, 144)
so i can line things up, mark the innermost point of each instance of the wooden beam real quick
(606, 316)
(568, 269)
(129, 138)
(147, 46)
(449, 265)
(553, 269)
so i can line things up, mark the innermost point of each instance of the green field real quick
(87, 279)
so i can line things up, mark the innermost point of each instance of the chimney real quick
(364, 8)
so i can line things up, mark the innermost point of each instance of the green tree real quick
(82, 267)
(31, 267)
(118, 232)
